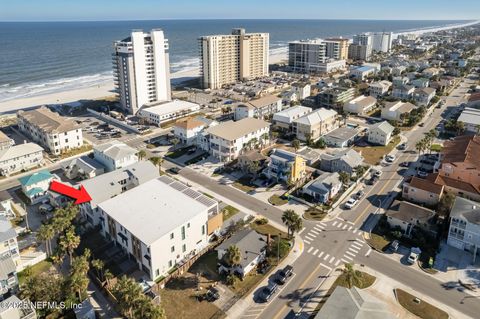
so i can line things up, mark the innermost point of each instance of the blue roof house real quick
(35, 186)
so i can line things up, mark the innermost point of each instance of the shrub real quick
(262, 221)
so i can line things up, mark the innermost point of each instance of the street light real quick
(278, 248)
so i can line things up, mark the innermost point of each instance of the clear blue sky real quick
(69, 10)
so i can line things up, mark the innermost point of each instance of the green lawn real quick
(42, 267)
(436, 148)
(229, 211)
(314, 213)
(374, 154)
(378, 242)
(268, 229)
(244, 184)
(422, 309)
(75, 151)
(179, 152)
(276, 200)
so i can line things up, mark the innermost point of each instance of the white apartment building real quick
(464, 231)
(380, 133)
(360, 105)
(55, 133)
(393, 110)
(380, 41)
(285, 118)
(259, 108)
(380, 88)
(302, 89)
(20, 157)
(423, 96)
(8, 241)
(114, 155)
(317, 55)
(315, 124)
(403, 92)
(226, 140)
(158, 113)
(226, 59)
(470, 117)
(159, 224)
(141, 69)
(361, 73)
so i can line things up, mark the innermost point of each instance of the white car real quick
(390, 158)
(350, 203)
(413, 257)
(377, 173)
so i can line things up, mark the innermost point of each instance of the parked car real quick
(284, 274)
(372, 180)
(414, 253)
(144, 285)
(404, 164)
(45, 208)
(268, 292)
(350, 203)
(358, 195)
(421, 124)
(174, 170)
(402, 146)
(390, 158)
(422, 174)
(377, 173)
(212, 294)
(192, 150)
(394, 246)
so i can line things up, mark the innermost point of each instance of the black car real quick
(372, 180)
(404, 164)
(174, 170)
(358, 195)
(212, 294)
(284, 274)
(268, 292)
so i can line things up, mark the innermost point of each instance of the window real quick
(172, 249)
(203, 229)
(184, 248)
(183, 232)
(171, 236)
(157, 273)
(170, 264)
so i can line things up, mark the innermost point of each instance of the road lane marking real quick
(320, 255)
(331, 260)
(310, 249)
(368, 252)
(334, 223)
(315, 252)
(350, 253)
(326, 257)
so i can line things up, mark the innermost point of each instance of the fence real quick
(113, 121)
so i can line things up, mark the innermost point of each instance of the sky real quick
(99, 10)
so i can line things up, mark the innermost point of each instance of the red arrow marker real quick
(81, 195)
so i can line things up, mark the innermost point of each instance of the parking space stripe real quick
(331, 260)
(326, 257)
(320, 255)
(309, 249)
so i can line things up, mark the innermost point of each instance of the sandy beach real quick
(106, 88)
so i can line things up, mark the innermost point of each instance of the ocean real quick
(45, 57)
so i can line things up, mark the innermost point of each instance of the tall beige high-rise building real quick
(337, 48)
(141, 69)
(226, 59)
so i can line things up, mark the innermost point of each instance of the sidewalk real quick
(243, 304)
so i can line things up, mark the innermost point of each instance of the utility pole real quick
(278, 249)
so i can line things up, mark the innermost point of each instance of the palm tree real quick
(108, 276)
(127, 292)
(233, 255)
(157, 161)
(46, 233)
(141, 154)
(352, 276)
(175, 141)
(344, 177)
(69, 242)
(98, 265)
(78, 274)
(293, 221)
(420, 146)
(297, 224)
(296, 144)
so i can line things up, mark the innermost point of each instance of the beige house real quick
(315, 124)
(422, 191)
(380, 133)
(360, 105)
(408, 215)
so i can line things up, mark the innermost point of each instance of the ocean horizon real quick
(39, 58)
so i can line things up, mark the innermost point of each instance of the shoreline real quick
(105, 89)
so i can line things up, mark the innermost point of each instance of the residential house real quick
(363, 72)
(380, 88)
(26, 311)
(36, 185)
(289, 97)
(310, 155)
(303, 89)
(341, 137)
(83, 167)
(227, 140)
(5, 141)
(430, 72)
(114, 155)
(353, 303)
(396, 111)
(336, 97)
(6, 209)
(421, 83)
(8, 276)
(422, 191)
(407, 216)
(259, 108)
(324, 188)
(285, 166)
(403, 92)
(108, 185)
(400, 80)
(315, 124)
(20, 157)
(190, 130)
(284, 119)
(341, 161)
(252, 248)
(470, 117)
(474, 100)
(361, 105)
(161, 112)
(251, 159)
(55, 133)
(168, 228)
(423, 96)
(8, 240)
(380, 133)
(464, 230)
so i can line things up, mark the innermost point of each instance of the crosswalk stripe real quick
(334, 223)
(306, 241)
(331, 260)
(348, 257)
(350, 253)
(350, 228)
(326, 257)
(315, 232)
(339, 225)
(353, 250)
(315, 252)
(323, 224)
(320, 255)
(368, 252)
(319, 229)
(354, 231)
(357, 247)
(309, 249)
(360, 240)
(346, 261)
(338, 261)
(345, 226)
(310, 237)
